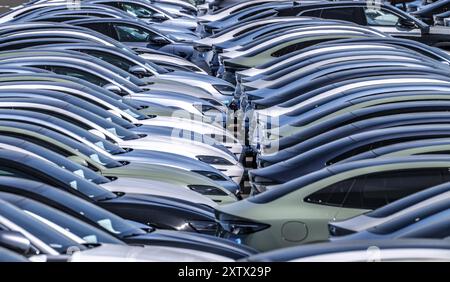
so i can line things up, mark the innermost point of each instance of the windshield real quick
(83, 230)
(58, 159)
(54, 124)
(49, 236)
(51, 174)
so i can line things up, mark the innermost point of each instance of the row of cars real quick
(345, 108)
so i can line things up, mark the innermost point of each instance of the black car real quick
(426, 14)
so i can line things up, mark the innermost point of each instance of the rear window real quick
(409, 201)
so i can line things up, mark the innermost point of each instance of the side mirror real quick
(113, 88)
(15, 241)
(160, 40)
(407, 23)
(78, 160)
(158, 17)
(138, 71)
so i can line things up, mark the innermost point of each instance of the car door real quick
(391, 23)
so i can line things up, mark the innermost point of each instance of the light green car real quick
(126, 177)
(298, 211)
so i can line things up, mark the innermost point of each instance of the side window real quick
(127, 33)
(378, 189)
(378, 17)
(137, 10)
(353, 14)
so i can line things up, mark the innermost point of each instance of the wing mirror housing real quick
(159, 17)
(160, 40)
(15, 241)
(78, 160)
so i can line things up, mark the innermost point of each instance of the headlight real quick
(207, 190)
(242, 227)
(211, 175)
(214, 160)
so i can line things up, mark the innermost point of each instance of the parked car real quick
(427, 12)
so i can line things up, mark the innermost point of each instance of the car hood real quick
(157, 188)
(120, 253)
